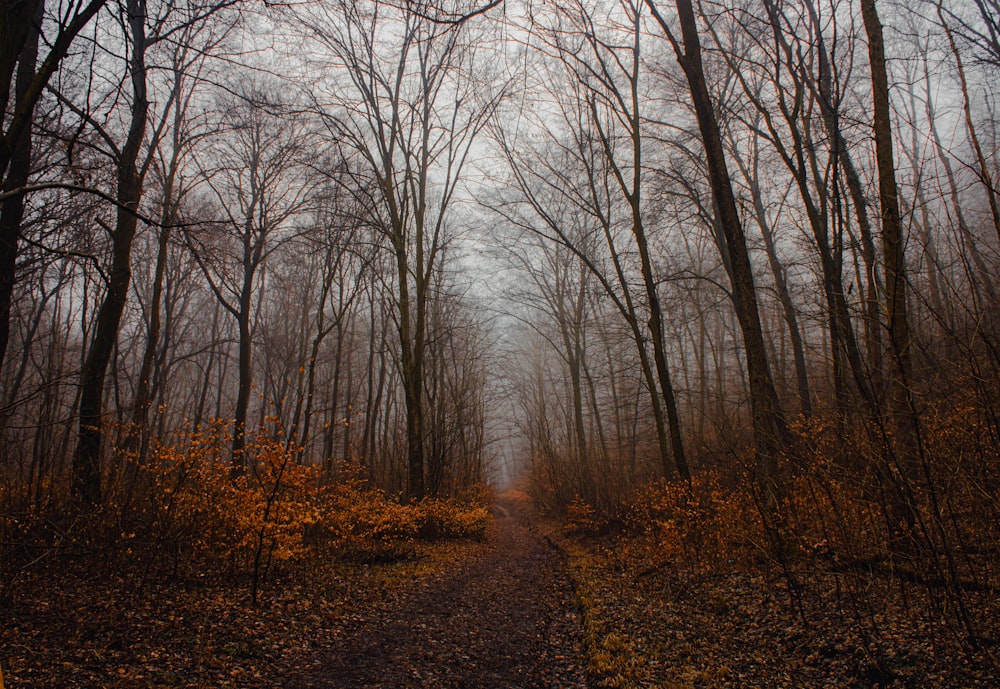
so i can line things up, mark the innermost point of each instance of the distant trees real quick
(748, 139)
(409, 107)
(601, 212)
(256, 178)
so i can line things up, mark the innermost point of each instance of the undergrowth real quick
(885, 594)
(182, 513)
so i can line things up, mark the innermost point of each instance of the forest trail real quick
(505, 619)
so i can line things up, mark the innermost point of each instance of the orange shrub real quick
(705, 525)
(195, 505)
(449, 519)
(182, 510)
(582, 517)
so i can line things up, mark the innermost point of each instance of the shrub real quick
(183, 512)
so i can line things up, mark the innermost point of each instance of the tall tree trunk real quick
(769, 425)
(143, 394)
(829, 105)
(411, 366)
(329, 460)
(199, 410)
(892, 224)
(752, 176)
(87, 458)
(245, 376)
(304, 402)
(12, 208)
(574, 359)
(895, 470)
(646, 267)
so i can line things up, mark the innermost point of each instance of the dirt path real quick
(504, 620)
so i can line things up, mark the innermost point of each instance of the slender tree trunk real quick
(302, 437)
(348, 396)
(199, 413)
(894, 475)
(579, 426)
(829, 107)
(788, 310)
(87, 458)
(253, 252)
(606, 473)
(892, 224)
(143, 396)
(769, 425)
(646, 267)
(411, 367)
(985, 176)
(245, 376)
(304, 404)
(328, 458)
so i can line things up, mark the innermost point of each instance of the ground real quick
(527, 606)
(504, 619)
(672, 626)
(498, 613)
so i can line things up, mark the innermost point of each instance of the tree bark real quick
(892, 224)
(769, 425)
(87, 457)
(12, 208)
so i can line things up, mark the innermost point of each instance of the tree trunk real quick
(412, 374)
(752, 177)
(892, 225)
(12, 208)
(238, 455)
(143, 395)
(893, 473)
(769, 425)
(646, 266)
(829, 107)
(87, 458)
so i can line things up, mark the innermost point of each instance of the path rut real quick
(503, 620)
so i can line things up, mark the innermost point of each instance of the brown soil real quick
(505, 619)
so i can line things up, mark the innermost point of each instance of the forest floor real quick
(527, 606)
(663, 624)
(504, 619)
(493, 614)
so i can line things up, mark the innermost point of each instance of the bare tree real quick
(130, 174)
(190, 47)
(782, 102)
(255, 176)
(406, 99)
(132, 159)
(768, 417)
(22, 83)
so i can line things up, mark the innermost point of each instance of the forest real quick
(306, 303)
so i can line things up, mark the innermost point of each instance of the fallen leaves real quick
(660, 627)
(504, 617)
(74, 628)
